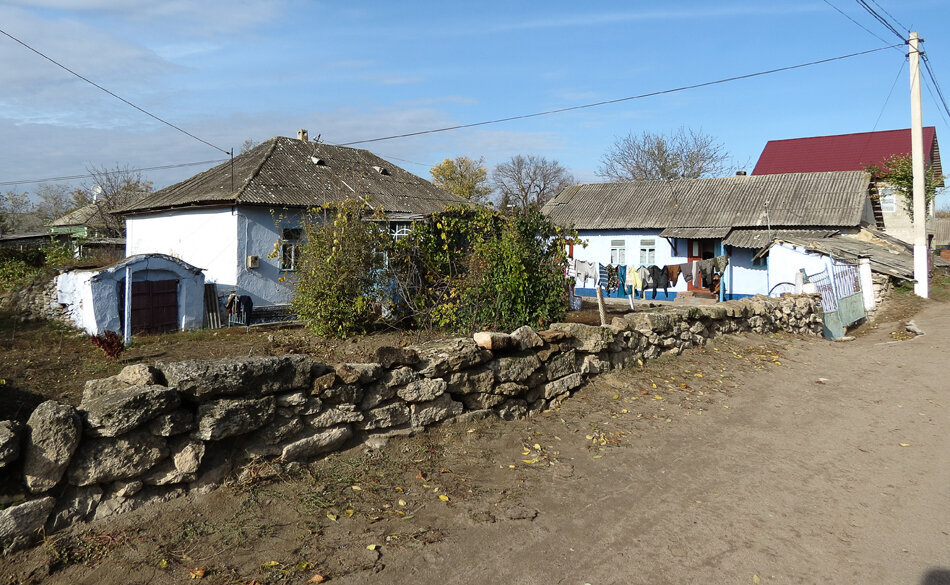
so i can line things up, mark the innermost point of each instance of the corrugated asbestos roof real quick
(887, 254)
(695, 233)
(942, 231)
(759, 238)
(884, 259)
(287, 172)
(830, 199)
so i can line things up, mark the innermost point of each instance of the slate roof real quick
(942, 231)
(798, 200)
(842, 152)
(287, 172)
(86, 215)
(887, 254)
(760, 238)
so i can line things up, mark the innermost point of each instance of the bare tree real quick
(56, 200)
(683, 154)
(529, 181)
(110, 190)
(13, 205)
(248, 145)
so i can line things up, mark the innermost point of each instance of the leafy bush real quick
(109, 342)
(471, 268)
(463, 269)
(340, 270)
(19, 267)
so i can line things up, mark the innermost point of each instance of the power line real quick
(933, 79)
(90, 175)
(891, 16)
(846, 15)
(118, 97)
(880, 18)
(618, 100)
(888, 98)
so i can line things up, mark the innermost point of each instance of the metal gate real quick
(841, 297)
(154, 306)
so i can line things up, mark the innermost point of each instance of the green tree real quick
(463, 176)
(471, 268)
(898, 172)
(341, 269)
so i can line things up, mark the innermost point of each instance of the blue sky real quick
(230, 70)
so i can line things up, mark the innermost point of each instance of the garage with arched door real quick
(166, 295)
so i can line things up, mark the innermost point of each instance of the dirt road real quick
(789, 481)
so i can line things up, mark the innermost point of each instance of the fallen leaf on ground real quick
(444, 497)
(318, 578)
(197, 573)
(905, 444)
(270, 564)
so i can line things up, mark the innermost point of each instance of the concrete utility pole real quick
(921, 262)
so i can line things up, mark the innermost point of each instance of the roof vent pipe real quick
(740, 173)
(302, 135)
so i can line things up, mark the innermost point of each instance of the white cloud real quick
(204, 18)
(34, 89)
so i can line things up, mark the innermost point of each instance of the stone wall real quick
(152, 433)
(37, 300)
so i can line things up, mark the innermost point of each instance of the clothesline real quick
(701, 273)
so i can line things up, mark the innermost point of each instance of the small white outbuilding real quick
(167, 295)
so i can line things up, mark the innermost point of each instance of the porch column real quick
(867, 284)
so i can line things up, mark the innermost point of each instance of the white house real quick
(229, 219)
(666, 223)
(167, 295)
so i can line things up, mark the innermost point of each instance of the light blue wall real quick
(258, 230)
(598, 247)
(743, 279)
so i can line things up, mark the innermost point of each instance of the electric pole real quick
(921, 261)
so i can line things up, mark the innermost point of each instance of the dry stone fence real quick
(155, 432)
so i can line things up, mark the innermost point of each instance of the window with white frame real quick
(618, 252)
(399, 230)
(888, 199)
(648, 252)
(290, 248)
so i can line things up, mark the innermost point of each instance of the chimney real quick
(302, 135)
(740, 173)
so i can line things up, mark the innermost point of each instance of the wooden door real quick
(154, 306)
(699, 250)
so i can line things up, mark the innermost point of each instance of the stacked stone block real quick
(152, 433)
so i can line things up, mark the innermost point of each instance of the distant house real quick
(673, 222)
(89, 232)
(228, 219)
(852, 152)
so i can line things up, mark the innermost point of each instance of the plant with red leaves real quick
(110, 342)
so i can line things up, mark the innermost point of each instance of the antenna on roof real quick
(313, 155)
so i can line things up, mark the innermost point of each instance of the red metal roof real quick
(843, 152)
